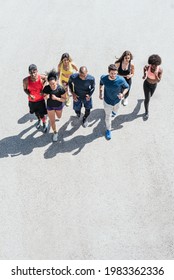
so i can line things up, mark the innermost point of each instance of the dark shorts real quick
(55, 108)
(38, 108)
(80, 102)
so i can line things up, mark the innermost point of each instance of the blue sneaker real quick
(108, 134)
(113, 114)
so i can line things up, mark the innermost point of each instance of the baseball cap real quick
(32, 67)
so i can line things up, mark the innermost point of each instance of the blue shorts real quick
(80, 102)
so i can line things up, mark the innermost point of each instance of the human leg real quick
(147, 95)
(88, 107)
(125, 100)
(108, 111)
(77, 105)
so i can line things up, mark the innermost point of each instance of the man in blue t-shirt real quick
(115, 88)
(82, 86)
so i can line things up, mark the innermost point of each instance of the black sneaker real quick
(146, 116)
(44, 128)
(78, 114)
(38, 124)
(85, 122)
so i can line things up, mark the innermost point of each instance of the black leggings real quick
(129, 81)
(148, 92)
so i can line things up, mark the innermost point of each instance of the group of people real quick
(47, 94)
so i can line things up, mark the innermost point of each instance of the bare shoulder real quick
(25, 80)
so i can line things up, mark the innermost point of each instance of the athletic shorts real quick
(38, 108)
(55, 108)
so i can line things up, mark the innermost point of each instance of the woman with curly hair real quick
(55, 96)
(152, 76)
(66, 68)
(126, 69)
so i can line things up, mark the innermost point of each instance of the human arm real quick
(132, 71)
(58, 70)
(125, 88)
(62, 95)
(74, 67)
(72, 88)
(159, 75)
(145, 69)
(60, 99)
(91, 88)
(101, 91)
(44, 81)
(25, 88)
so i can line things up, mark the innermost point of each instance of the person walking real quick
(55, 96)
(33, 86)
(152, 76)
(115, 89)
(126, 69)
(66, 68)
(82, 86)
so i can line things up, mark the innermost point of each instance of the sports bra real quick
(124, 72)
(151, 75)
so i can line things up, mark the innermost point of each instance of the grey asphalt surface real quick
(85, 197)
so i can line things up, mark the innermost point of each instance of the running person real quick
(152, 76)
(66, 68)
(55, 96)
(82, 86)
(115, 88)
(33, 87)
(126, 69)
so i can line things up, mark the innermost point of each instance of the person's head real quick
(32, 69)
(83, 72)
(112, 70)
(154, 60)
(126, 56)
(52, 79)
(65, 58)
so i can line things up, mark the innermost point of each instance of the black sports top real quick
(57, 92)
(122, 72)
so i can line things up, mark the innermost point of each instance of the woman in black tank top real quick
(126, 70)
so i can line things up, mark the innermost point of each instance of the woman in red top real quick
(33, 86)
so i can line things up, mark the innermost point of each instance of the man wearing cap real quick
(82, 86)
(115, 88)
(33, 86)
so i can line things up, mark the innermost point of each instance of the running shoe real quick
(146, 116)
(78, 114)
(125, 101)
(108, 134)
(68, 102)
(85, 122)
(44, 128)
(113, 114)
(38, 124)
(55, 137)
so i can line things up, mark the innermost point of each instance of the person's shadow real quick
(120, 119)
(27, 117)
(77, 143)
(15, 145)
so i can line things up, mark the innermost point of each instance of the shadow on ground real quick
(16, 145)
(77, 143)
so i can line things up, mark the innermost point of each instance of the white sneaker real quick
(125, 101)
(55, 137)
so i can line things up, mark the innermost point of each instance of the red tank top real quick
(35, 89)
